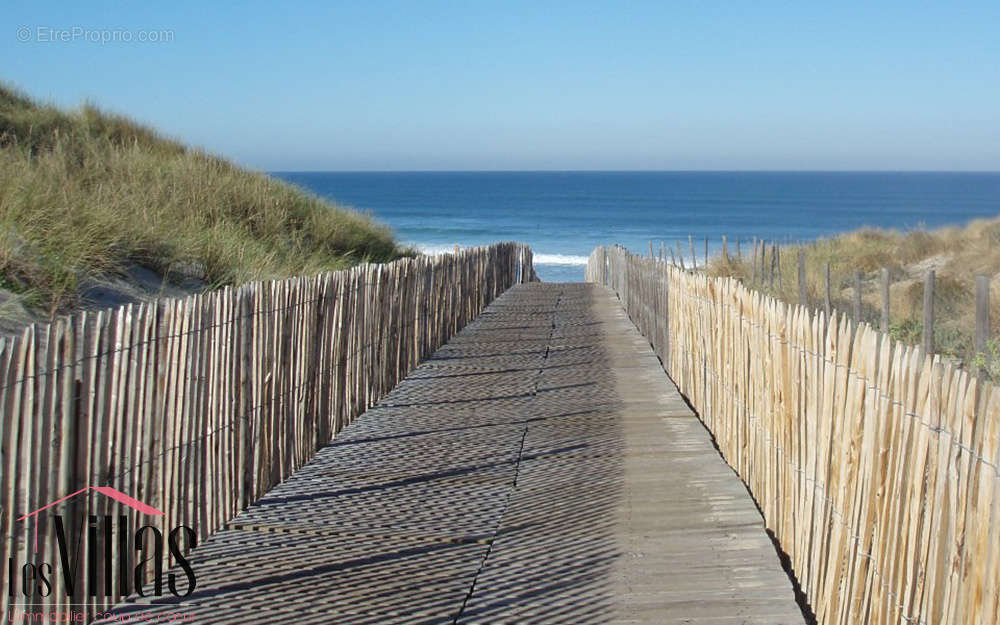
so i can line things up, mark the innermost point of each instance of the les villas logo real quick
(131, 553)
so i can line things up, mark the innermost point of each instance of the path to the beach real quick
(538, 468)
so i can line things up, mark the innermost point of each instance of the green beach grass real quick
(86, 195)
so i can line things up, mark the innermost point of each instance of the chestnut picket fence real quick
(874, 464)
(198, 406)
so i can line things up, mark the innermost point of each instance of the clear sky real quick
(531, 84)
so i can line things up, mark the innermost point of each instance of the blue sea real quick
(564, 215)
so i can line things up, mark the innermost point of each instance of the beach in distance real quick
(564, 215)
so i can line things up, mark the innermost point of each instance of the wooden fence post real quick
(739, 249)
(777, 264)
(765, 269)
(762, 265)
(982, 313)
(245, 469)
(706, 252)
(759, 265)
(803, 297)
(680, 255)
(857, 297)
(694, 257)
(885, 299)
(928, 342)
(651, 250)
(774, 264)
(828, 301)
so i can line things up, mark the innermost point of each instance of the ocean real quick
(564, 215)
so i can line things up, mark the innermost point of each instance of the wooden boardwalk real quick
(538, 468)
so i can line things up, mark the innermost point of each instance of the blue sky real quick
(535, 85)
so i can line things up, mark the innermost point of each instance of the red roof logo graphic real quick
(107, 491)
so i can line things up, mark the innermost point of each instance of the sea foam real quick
(540, 258)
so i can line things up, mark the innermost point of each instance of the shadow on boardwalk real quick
(487, 487)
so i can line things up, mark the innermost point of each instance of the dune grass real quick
(956, 254)
(85, 193)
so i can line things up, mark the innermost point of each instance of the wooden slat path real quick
(538, 468)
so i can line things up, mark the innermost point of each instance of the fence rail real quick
(198, 406)
(876, 466)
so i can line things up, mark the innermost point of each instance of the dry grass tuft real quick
(956, 254)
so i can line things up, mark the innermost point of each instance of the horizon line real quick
(631, 171)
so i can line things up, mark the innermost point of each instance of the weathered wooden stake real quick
(803, 296)
(680, 254)
(857, 297)
(762, 267)
(828, 301)
(663, 246)
(763, 263)
(673, 260)
(885, 299)
(928, 342)
(706, 252)
(694, 257)
(651, 249)
(775, 265)
(781, 274)
(982, 313)
(739, 249)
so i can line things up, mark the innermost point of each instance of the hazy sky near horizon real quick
(532, 84)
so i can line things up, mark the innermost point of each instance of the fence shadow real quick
(447, 501)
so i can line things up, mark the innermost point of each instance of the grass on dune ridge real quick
(956, 254)
(85, 194)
